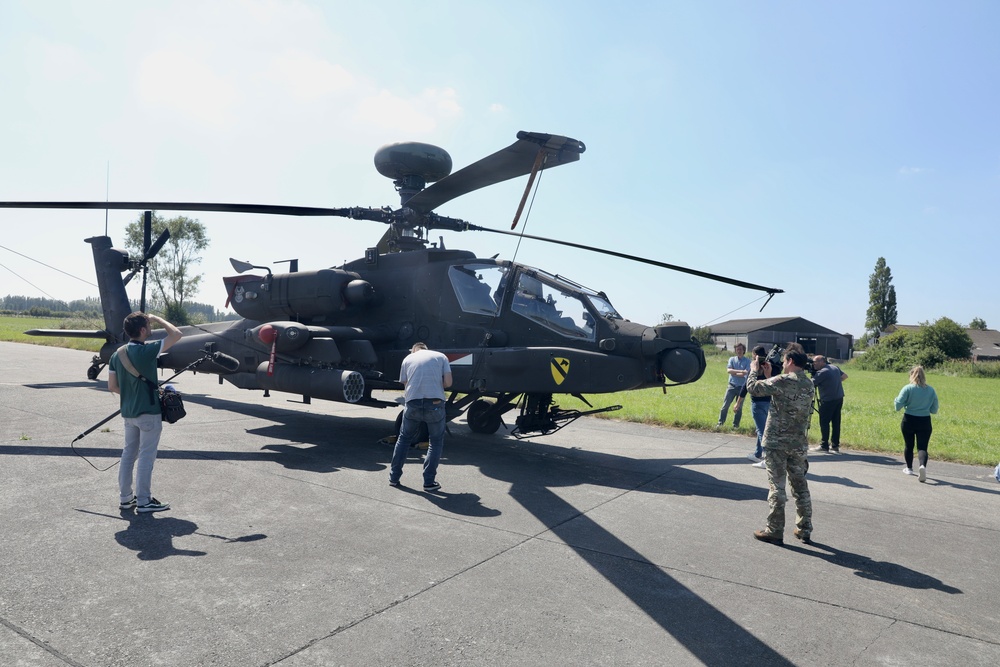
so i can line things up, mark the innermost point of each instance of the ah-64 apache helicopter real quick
(515, 335)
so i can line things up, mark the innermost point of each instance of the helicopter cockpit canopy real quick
(478, 287)
(559, 305)
(551, 301)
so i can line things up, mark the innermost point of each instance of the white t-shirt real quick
(422, 372)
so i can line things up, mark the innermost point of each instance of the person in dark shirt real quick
(140, 406)
(828, 380)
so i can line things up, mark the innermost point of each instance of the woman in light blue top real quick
(919, 401)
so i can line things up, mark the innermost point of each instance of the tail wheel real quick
(482, 417)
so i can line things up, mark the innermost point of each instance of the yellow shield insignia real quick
(560, 369)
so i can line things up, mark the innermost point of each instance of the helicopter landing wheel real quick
(93, 372)
(480, 419)
(422, 435)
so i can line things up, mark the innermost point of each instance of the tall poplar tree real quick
(881, 300)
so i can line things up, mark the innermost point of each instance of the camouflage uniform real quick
(785, 446)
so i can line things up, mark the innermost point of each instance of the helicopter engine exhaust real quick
(328, 384)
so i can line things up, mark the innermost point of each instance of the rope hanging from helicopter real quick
(539, 165)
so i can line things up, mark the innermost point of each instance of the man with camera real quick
(828, 380)
(785, 442)
(140, 407)
(760, 405)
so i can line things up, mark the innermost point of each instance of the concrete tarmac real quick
(606, 543)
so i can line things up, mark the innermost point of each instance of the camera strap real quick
(130, 367)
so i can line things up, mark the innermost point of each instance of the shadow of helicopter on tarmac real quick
(534, 471)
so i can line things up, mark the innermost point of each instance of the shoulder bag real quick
(171, 404)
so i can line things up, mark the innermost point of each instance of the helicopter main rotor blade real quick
(270, 209)
(511, 162)
(663, 265)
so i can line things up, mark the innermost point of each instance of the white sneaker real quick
(922, 474)
(753, 457)
(762, 465)
(907, 471)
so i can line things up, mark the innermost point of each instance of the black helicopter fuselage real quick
(511, 332)
(515, 336)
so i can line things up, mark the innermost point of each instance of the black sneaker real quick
(392, 483)
(128, 505)
(153, 505)
(835, 450)
(820, 448)
(433, 486)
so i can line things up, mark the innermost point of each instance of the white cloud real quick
(417, 115)
(62, 62)
(179, 81)
(912, 171)
(307, 77)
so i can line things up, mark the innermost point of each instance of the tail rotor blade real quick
(147, 231)
(157, 245)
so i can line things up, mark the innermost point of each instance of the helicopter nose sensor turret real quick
(681, 365)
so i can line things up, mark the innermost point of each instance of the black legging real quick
(916, 430)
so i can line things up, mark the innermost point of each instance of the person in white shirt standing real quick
(425, 374)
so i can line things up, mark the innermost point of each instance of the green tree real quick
(171, 271)
(881, 300)
(945, 335)
(703, 335)
(666, 317)
(978, 323)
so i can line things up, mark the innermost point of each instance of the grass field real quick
(12, 329)
(964, 428)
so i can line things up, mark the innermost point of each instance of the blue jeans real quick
(732, 391)
(431, 412)
(759, 410)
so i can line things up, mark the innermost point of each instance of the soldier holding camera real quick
(786, 445)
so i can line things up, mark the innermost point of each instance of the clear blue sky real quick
(783, 143)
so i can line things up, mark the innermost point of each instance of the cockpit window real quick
(604, 308)
(478, 287)
(553, 308)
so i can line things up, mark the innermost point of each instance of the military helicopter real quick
(515, 335)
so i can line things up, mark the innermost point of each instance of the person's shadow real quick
(875, 570)
(466, 504)
(152, 537)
